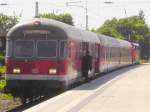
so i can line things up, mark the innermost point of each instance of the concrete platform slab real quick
(125, 90)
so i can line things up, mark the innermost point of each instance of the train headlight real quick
(16, 71)
(52, 71)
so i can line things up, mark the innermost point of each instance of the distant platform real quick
(125, 90)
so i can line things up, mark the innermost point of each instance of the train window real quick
(72, 50)
(63, 49)
(24, 48)
(80, 51)
(97, 51)
(46, 49)
(8, 48)
(85, 47)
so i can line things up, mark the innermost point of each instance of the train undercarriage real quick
(29, 90)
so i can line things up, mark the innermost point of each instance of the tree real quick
(6, 22)
(66, 18)
(132, 28)
(145, 47)
(110, 28)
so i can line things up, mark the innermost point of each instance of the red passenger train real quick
(42, 54)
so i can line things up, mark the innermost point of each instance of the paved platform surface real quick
(125, 90)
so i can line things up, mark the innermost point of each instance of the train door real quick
(102, 57)
(88, 47)
(120, 57)
(96, 57)
(108, 62)
(93, 52)
(105, 59)
(85, 47)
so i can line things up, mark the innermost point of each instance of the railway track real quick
(34, 102)
(17, 107)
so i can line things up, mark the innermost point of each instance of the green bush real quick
(2, 70)
(2, 56)
(2, 84)
(4, 96)
(142, 61)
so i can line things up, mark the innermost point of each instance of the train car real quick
(109, 55)
(135, 53)
(115, 53)
(125, 53)
(44, 54)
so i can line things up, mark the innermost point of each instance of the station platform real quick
(124, 90)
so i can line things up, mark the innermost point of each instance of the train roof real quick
(71, 31)
(113, 42)
(135, 44)
(124, 43)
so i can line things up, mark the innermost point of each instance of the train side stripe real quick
(36, 77)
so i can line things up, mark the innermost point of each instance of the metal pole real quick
(86, 12)
(36, 9)
(84, 7)
(125, 12)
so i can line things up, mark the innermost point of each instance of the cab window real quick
(23, 48)
(46, 49)
(63, 49)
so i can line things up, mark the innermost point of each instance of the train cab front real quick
(36, 57)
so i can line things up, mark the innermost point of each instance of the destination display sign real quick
(36, 32)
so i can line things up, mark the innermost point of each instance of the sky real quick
(98, 11)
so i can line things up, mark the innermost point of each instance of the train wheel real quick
(64, 88)
(23, 100)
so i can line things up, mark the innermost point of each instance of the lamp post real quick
(3, 4)
(125, 12)
(108, 2)
(86, 14)
(80, 6)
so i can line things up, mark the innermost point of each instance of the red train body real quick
(43, 54)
